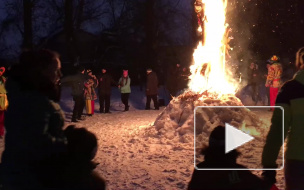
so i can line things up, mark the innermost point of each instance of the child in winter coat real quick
(89, 93)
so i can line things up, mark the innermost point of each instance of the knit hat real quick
(125, 73)
(82, 144)
(2, 70)
(274, 59)
(149, 70)
(216, 149)
(217, 138)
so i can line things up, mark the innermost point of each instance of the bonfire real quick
(211, 87)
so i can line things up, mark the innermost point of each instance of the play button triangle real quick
(235, 138)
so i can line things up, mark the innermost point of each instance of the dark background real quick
(138, 34)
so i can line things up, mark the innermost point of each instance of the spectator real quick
(291, 98)
(151, 89)
(185, 77)
(77, 83)
(79, 171)
(174, 80)
(104, 90)
(125, 89)
(274, 79)
(3, 101)
(89, 92)
(253, 82)
(215, 157)
(267, 88)
(35, 144)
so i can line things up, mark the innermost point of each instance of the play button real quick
(235, 138)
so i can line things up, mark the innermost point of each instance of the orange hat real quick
(274, 58)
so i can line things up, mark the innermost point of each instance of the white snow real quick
(149, 149)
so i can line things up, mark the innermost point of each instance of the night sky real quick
(260, 28)
(267, 27)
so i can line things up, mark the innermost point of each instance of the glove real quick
(269, 176)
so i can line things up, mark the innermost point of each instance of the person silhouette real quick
(215, 157)
(78, 172)
(34, 141)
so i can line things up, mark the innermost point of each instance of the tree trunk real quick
(69, 31)
(27, 20)
(80, 14)
(150, 33)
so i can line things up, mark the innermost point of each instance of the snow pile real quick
(176, 122)
(175, 125)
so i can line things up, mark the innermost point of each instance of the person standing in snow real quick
(291, 98)
(125, 88)
(104, 90)
(3, 101)
(253, 82)
(34, 141)
(215, 157)
(274, 79)
(267, 87)
(151, 89)
(174, 80)
(77, 83)
(89, 93)
(185, 77)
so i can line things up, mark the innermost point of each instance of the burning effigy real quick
(210, 86)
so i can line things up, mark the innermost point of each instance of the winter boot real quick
(127, 108)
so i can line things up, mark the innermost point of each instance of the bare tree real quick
(28, 31)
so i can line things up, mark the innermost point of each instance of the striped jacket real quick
(274, 75)
(291, 98)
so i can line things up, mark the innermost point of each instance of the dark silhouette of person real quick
(253, 81)
(151, 89)
(35, 144)
(215, 157)
(77, 83)
(291, 98)
(174, 80)
(104, 90)
(78, 173)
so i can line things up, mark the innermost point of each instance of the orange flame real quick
(208, 70)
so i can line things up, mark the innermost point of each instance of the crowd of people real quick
(40, 154)
(84, 83)
(277, 74)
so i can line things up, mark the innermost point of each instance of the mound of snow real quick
(175, 125)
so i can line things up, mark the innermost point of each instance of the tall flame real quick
(208, 70)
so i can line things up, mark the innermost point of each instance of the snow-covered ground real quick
(130, 155)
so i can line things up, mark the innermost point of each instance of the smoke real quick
(242, 17)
